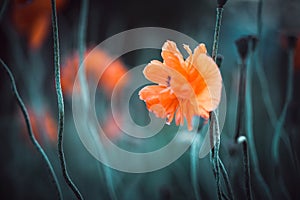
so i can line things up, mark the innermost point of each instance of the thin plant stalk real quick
(214, 126)
(243, 49)
(281, 120)
(60, 102)
(241, 101)
(243, 140)
(215, 141)
(30, 131)
(194, 159)
(82, 78)
(226, 179)
(217, 33)
(249, 128)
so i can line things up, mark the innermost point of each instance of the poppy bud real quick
(242, 47)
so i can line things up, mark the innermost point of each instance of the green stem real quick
(81, 46)
(241, 102)
(259, 18)
(217, 33)
(215, 135)
(243, 140)
(281, 120)
(214, 124)
(29, 128)
(60, 102)
(226, 179)
(194, 159)
(249, 128)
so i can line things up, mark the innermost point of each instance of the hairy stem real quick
(60, 102)
(226, 179)
(215, 136)
(217, 33)
(29, 128)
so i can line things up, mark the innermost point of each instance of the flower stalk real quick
(60, 102)
(214, 124)
(30, 131)
(243, 140)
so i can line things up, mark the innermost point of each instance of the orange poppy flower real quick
(33, 19)
(96, 61)
(187, 88)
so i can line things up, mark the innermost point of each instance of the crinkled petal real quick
(173, 58)
(160, 101)
(210, 82)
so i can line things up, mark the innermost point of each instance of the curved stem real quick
(249, 132)
(215, 136)
(194, 159)
(241, 101)
(281, 120)
(81, 48)
(226, 179)
(214, 124)
(29, 128)
(60, 102)
(217, 33)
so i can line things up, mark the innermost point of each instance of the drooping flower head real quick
(185, 88)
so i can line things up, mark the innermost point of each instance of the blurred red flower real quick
(96, 63)
(33, 18)
(43, 125)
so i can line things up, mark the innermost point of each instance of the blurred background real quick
(27, 48)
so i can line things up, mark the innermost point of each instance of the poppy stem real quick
(83, 83)
(29, 128)
(217, 33)
(240, 120)
(243, 140)
(214, 126)
(281, 120)
(259, 18)
(60, 102)
(226, 179)
(214, 155)
(194, 159)
(81, 48)
(249, 127)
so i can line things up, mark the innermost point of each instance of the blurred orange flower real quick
(95, 64)
(43, 125)
(33, 19)
(190, 87)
